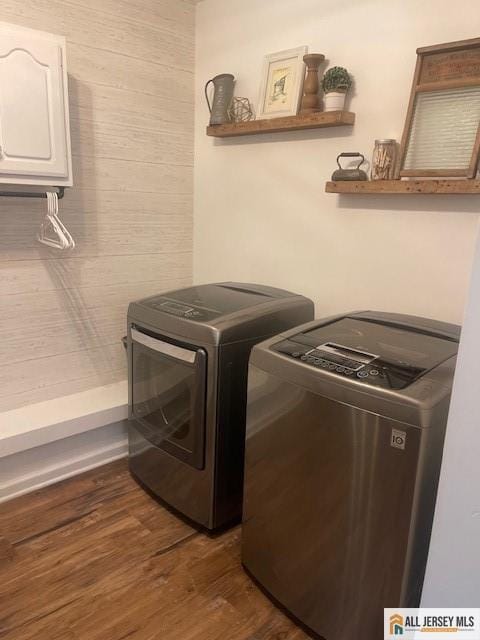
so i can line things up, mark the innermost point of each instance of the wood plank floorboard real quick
(96, 558)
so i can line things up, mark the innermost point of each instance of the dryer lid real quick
(210, 301)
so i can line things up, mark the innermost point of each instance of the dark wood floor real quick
(96, 558)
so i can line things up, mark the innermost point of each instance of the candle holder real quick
(311, 100)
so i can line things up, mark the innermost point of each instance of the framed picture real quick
(282, 83)
(442, 130)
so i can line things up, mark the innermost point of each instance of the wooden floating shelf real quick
(319, 120)
(404, 186)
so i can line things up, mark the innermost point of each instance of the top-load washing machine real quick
(188, 355)
(345, 426)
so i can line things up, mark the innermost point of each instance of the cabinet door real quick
(33, 127)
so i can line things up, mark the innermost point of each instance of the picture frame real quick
(441, 137)
(282, 83)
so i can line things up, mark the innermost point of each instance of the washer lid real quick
(375, 350)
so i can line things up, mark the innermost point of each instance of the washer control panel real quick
(339, 364)
(364, 367)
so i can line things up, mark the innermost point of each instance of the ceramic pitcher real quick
(222, 97)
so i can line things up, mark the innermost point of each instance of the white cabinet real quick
(34, 122)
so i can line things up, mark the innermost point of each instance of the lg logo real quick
(398, 439)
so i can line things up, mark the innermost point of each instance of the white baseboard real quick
(44, 422)
(35, 468)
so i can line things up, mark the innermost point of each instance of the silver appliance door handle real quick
(179, 353)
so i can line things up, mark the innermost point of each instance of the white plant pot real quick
(334, 101)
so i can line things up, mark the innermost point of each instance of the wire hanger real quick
(66, 233)
(53, 232)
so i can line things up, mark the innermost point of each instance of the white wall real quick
(260, 210)
(453, 570)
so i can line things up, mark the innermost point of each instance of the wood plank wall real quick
(62, 315)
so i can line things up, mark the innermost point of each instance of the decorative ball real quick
(240, 110)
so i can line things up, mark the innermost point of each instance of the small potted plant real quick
(335, 84)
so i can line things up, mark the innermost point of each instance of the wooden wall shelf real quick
(318, 120)
(404, 187)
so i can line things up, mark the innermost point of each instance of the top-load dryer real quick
(345, 426)
(188, 355)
